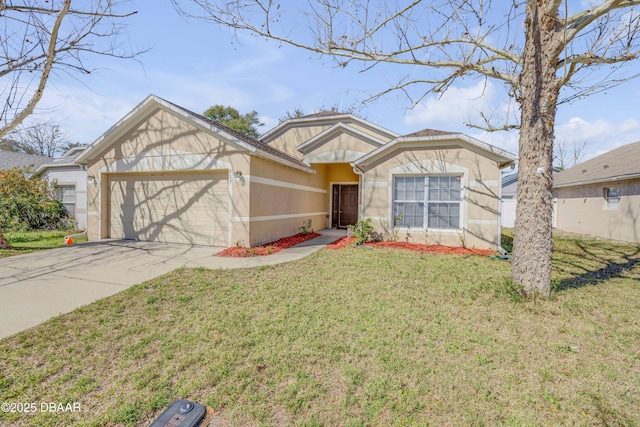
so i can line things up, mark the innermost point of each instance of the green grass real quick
(353, 337)
(23, 242)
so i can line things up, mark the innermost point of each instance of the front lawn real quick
(352, 337)
(23, 242)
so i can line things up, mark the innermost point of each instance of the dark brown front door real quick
(345, 205)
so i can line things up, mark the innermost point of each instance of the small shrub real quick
(306, 228)
(390, 232)
(363, 232)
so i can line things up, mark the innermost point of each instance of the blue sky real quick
(197, 65)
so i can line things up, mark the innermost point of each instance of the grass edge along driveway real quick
(349, 337)
(23, 242)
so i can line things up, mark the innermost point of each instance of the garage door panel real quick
(189, 208)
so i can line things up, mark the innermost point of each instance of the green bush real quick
(28, 203)
(364, 232)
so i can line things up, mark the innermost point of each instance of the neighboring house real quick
(601, 196)
(10, 159)
(70, 182)
(509, 198)
(164, 173)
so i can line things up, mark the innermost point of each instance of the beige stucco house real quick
(601, 196)
(164, 173)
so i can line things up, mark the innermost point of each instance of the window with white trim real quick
(427, 201)
(612, 197)
(67, 195)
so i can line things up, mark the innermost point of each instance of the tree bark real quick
(3, 242)
(539, 89)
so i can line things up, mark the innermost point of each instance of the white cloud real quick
(600, 135)
(460, 105)
(505, 140)
(268, 123)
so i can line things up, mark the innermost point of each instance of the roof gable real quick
(430, 139)
(329, 119)
(334, 132)
(620, 163)
(153, 103)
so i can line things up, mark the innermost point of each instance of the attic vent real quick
(606, 166)
(584, 171)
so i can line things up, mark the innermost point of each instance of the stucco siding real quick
(294, 136)
(582, 209)
(342, 147)
(480, 190)
(340, 173)
(282, 198)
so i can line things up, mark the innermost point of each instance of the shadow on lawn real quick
(614, 260)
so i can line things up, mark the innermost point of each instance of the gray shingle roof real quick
(10, 159)
(618, 163)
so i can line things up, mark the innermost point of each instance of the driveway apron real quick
(37, 286)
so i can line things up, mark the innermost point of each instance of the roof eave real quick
(140, 110)
(295, 165)
(598, 180)
(502, 157)
(305, 120)
(45, 166)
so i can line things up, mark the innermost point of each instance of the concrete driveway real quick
(40, 285)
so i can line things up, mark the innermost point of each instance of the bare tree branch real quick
(48, 64)
(37, 40)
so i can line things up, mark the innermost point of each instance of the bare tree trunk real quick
(532, 240)
(3, 242)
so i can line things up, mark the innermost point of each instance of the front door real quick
(345, 205)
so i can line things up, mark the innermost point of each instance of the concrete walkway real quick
(37, 286)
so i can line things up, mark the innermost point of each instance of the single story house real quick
(510, 198)
(70, 183)
(601, 196)
(164, 173)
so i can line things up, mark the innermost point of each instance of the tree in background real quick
(297, 112)
(230, 117)
(543, 52)
(43, 139)
(569, 154)
(40, 37)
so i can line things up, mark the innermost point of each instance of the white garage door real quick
(175, 208)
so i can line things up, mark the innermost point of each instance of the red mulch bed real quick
(267, 248)
(347, 241)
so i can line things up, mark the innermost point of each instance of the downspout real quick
(359, 172)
